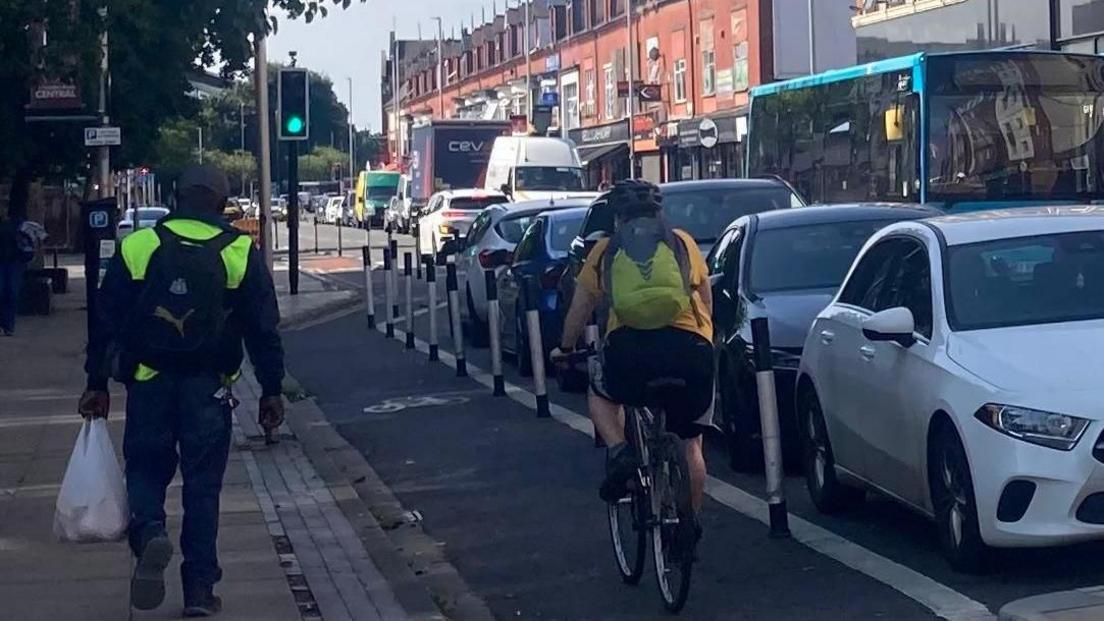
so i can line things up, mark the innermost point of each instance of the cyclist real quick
(656, 287)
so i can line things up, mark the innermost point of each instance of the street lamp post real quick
(632, 87)
(440, 68)
(106, 186)
(528, 67)
(352, 141)
(812, 40)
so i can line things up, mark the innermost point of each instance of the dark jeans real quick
(11, 281)
(168, 413)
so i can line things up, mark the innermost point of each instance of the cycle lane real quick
(513, 498)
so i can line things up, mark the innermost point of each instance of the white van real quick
(535, 168)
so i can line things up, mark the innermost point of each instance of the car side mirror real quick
(894, 324)
(505, 189)
(451, 246)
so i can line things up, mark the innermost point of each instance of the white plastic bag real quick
(92, 503)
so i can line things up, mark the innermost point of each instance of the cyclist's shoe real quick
(620, 469)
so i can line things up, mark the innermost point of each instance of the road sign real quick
(103, 136)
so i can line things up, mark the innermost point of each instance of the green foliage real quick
(153, 44)
(319, 164)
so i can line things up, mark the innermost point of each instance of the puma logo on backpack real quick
(178, 322)
(646, 274)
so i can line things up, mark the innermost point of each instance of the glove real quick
(94, 404)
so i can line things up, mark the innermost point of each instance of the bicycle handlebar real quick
(576, 356)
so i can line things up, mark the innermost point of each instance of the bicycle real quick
(658, 505)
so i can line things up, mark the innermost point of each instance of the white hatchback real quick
(958, 370)
(490, 244)
(449, 215)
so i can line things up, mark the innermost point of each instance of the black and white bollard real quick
(536, 346)
(388, 266)
(370, 295)
(408, 278)
(454, 315)
(418, 247)
(768, 420)
(494, 328)
(431, 279)
(340, 223)
(394, 248)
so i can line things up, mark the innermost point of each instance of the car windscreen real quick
(563, 229)
(512, 228)
(381, 192)
(1025, 281)
(814, 256)
(548, 179)
(705, 213)
(476, 204)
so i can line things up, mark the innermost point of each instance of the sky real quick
(348, 42)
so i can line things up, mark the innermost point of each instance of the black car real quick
(701, 208)
(541, 255)
(785, 266)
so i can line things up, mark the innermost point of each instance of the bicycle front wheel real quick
(628, 522)
(673, 536)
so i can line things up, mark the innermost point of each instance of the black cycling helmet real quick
(633, 198)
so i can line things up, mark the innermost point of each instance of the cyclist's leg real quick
(696, 460)
(608, 418)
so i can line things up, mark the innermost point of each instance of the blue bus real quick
(959, 131)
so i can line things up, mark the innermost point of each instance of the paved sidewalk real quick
(287, 551)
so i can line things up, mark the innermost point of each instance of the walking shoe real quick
(620, 468)
(147, 585)
(201, 602)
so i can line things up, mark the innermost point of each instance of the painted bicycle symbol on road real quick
(390, 406)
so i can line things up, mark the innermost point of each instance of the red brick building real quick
(693, 62)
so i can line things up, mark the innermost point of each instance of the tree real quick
(319, 164)
(240, 167)
(153, 43)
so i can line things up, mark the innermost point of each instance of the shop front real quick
(604, 151)
(711, 147)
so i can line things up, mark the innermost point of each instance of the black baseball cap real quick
(206, 177)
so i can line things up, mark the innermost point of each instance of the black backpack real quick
(177, 324)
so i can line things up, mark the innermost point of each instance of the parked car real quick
(958, 371)
(784, 266)
(147, 217)
(541, 254)
(232, 210)
(701, 208)
(449, 214)
(490, 244)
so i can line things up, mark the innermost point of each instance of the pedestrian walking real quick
(19, 241)
(177, 304)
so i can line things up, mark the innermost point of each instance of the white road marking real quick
(943, 601)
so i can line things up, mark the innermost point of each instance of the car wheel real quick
(741, 426)
(479, 330)
(827, 492)
(521, 348)
(952, 491)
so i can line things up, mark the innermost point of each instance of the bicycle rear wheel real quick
(673, 536)
(628, 522)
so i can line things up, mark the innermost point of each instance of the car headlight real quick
(1049, 429)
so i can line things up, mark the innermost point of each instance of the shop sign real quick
(55, 95)
(617, 131)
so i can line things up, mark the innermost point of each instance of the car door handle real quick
(867, 352)
(827, 336)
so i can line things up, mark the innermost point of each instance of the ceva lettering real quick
(466, 146)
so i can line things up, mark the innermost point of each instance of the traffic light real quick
(293, 95)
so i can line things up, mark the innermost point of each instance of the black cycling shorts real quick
(632, 359)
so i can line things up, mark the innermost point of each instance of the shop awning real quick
(593, 154)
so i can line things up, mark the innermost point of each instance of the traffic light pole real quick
(293, 217)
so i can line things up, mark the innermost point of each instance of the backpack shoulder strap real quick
(222, 241)
(606, 264)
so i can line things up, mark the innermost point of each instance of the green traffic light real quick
(294, 125)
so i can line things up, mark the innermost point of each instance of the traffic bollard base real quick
(434, 355)
(409, 340)
(390, 331)
(542, 407)
(371, 322)
(499, 386)
(461, 367)
(779, 521)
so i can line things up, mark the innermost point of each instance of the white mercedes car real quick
(449, 214)
(958, 370)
